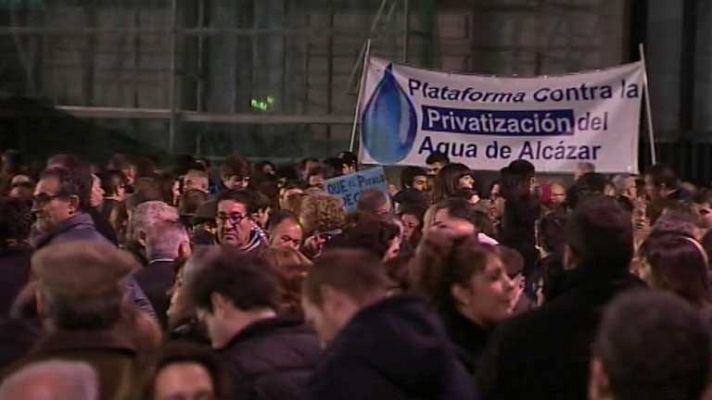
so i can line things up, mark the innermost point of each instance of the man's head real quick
(625, 186)
(146, 215)
(235, 172)
(335, 166)
(316, 177)
(80, 284)
(285, 230)
(588, 185)
(351, 160)
(456, 216)
(196, 179)
(660, 181)
(341, 283)
(186, 371)
(600, 235)
(167, 239)
(650, 346)
(558, 194)
(583, 168)
(128, 167)
(231, 291)
(306, 165)
(436, 161)
(414, 177)
(52, 380)
(234, 221)
(375, 202)
(59, 195)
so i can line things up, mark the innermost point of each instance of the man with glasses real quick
(60, 202)
(59, 206)
(235, 226)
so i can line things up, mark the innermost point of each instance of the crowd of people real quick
(130, 280)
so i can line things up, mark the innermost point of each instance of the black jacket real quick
(518, 228)
(14, 275)
(103, 226)
(271, 359)
(394, 349)
(545, 354)
(156, 279)
(469, 338)
(17, 337)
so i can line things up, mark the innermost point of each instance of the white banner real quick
(486, 122)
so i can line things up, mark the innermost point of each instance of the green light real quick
(262, 105)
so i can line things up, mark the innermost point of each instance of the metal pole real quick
(330, 73)
(173, 80)
(648, 109)
(406, 30)
(366, 57)
(362, 52)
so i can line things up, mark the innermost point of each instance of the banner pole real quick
(366, 56)
(648, 109)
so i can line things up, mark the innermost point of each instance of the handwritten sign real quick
(349, 187)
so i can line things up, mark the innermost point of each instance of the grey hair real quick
(619, 182)
(147, 214)
(59, 379)
(164, 239)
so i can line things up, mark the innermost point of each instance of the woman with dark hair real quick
(452, 178)
(170, 188)
(113, 208)
(551, 239)
(677, 264)
(185, 371)
(468, 285)
(521, 209)
(412, 220)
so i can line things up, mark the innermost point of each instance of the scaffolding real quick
(271, 78)
(184, 66)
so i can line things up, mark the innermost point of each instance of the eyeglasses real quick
(234, 218)
(44, 198)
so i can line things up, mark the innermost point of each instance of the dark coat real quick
(78, 227)
(14, 275)
(517, 230)
(271, 359)
(17, 337)
(469, 338)
(545, 354)
(120, 369)
(394, 349)
(156, 279)
(103, 226)
(81, 227)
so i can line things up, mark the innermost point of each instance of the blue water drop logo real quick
(389, 123)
